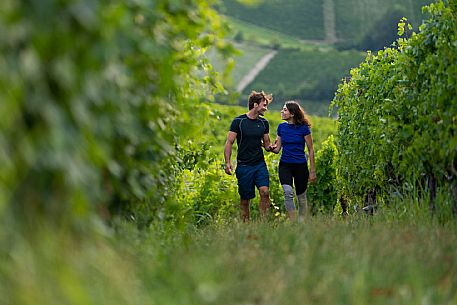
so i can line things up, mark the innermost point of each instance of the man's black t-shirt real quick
(249, 135)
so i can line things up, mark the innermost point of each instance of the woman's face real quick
(285, 113)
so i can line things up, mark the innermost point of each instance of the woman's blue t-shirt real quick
(293, 142)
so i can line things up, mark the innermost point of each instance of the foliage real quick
(383, 32)
(95, 92)
(397, 115)
(207, 195)
(322, 195)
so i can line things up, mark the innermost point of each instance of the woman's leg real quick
(302, 204)
(285, 177)
(301, 175)
(289, 200)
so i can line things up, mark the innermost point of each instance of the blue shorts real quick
(250, 176)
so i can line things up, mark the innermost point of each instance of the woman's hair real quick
(258, 97)
(300, 117)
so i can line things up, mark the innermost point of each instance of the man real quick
(251, 133)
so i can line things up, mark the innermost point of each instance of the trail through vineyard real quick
(259, 66)
(329, 21)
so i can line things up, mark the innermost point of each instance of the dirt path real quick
(330, 38)
(329, 21)
(259, 66)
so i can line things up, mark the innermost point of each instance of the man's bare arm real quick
(228, 152)
(267, 142)
(276, 147)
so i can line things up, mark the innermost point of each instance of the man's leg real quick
(264, 200)
(246, 189)
(262, 181)
(244, 205)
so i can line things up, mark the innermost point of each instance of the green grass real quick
(322, 261)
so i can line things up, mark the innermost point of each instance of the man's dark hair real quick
(258, 97)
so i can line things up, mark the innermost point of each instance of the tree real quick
(93, 91)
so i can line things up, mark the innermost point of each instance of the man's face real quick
(262, 107)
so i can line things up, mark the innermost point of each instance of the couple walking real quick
(251, 132)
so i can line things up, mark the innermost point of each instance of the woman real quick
(293, 166)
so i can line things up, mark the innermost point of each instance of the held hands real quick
(271, 147)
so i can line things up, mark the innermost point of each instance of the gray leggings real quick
(289, 200)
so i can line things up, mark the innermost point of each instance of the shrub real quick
(95, 92)
(322, 195)
(397, 115)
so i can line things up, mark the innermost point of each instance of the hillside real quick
(316, 43)
(314, 74)
(372, 24)
(352, 20)
(304, 21)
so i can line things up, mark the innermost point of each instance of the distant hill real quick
(301, 19)
(354, 21)
(317, 43)
(306, 75)
(372, 24)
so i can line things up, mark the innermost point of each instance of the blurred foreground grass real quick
(322, 261)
